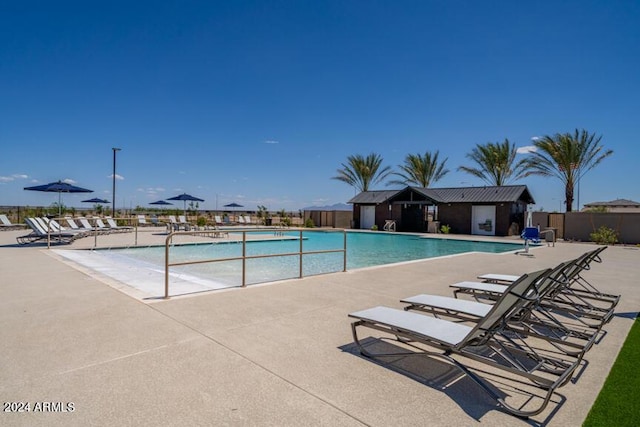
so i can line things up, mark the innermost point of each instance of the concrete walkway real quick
(279, 354)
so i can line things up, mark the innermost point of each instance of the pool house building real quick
(491, 211)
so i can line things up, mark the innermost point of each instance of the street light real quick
(113, 195)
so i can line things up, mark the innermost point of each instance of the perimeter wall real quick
(579, 225)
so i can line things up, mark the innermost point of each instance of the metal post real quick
(344, 247)
(300, 254)
(166, 265)
(244, 259)
(113, 194)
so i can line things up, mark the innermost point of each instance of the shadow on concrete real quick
(447, 378)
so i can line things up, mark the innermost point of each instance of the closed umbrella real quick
(186, 197)
(59, 187)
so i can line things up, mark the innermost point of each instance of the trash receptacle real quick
(268, 221)
(550, 235)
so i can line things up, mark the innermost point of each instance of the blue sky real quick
(259, 102)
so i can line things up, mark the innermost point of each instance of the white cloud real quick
(527, 149)
(13, 177)
(118, 177)
(536, 138)
(69, 181)
(271, 141)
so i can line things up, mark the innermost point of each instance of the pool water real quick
(363, 250)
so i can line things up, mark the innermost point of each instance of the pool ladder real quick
(389, 225)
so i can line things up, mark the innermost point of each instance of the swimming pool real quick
(363, 250)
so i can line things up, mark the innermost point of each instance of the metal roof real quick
(617, 202)
(373, 197)
(501, 194)
(496, 194)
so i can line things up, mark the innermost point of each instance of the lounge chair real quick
(218, 220)
(590, 309)
(241, 219)
(247, 220)
(55, 227)
(579, 285)
(533, 320)
(6, 224)
(101, 226)
(117, 228)
(182, 221)
(142, 221)
(42, 231)
(173, 224)
(486, 344)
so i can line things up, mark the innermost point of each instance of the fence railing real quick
(244, 257)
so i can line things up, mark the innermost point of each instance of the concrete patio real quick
(276, 354)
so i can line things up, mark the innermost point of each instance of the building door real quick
(483, 220)
(367, 217)
(413, 218)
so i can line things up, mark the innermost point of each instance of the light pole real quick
(113, 195)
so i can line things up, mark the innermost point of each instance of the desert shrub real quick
(604, 236)
(445, 229)
(309, 223)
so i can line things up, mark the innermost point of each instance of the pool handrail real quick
(245, 257)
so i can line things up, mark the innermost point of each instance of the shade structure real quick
(233, 205)
(185, 198)
(95, 200)
(161, 202)
(59, 187)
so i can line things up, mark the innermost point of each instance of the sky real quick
(261, 102)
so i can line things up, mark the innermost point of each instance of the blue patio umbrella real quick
(95, 200)
(186, 197)
(233, 205)
(161, 202)
(59, 187)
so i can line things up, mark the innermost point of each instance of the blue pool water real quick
(363, 250)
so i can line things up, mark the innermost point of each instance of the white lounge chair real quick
(182, 222)
(535, 321)
(485, 343)
(587, 306)
(41, 231)
(6, 224)
(118, 228)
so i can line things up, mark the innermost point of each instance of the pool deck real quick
(277, 354)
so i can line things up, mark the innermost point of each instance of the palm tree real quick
(421, 170)
(568, 157)
(495, 163)
(362, 172)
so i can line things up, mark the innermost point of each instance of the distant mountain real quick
(335, 207)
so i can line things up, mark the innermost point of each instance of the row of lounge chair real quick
(181, 223)
(535, 329)
(43, 228)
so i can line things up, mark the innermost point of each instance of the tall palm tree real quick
(495, 163)
(363, 172)
(567, 157)
(421, 170)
